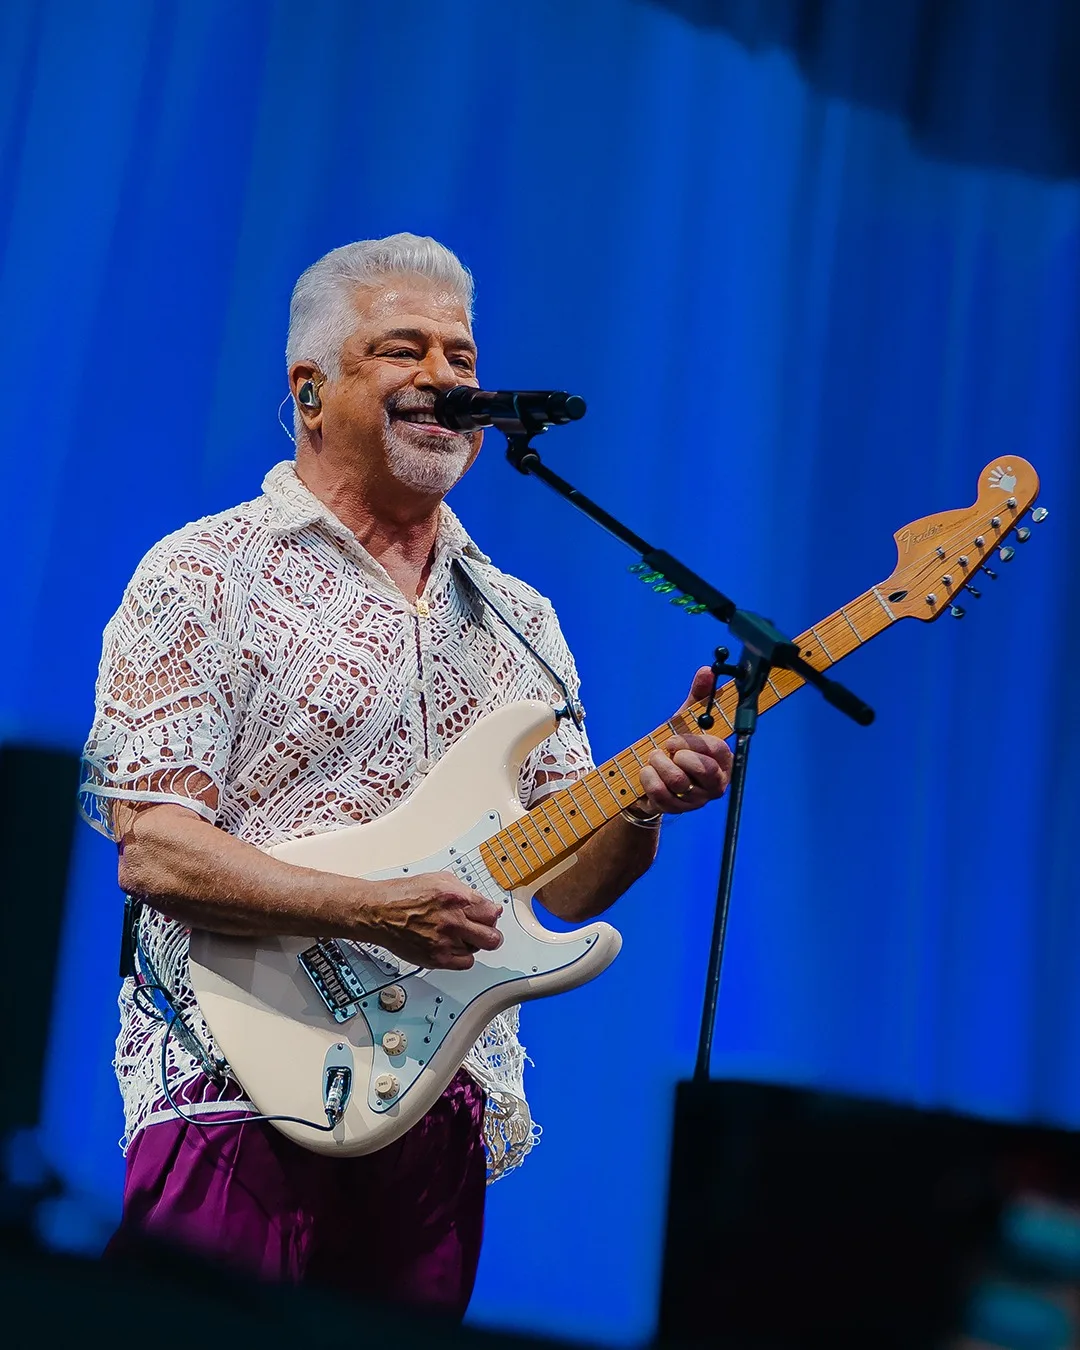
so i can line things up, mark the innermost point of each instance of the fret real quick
(642, 749)
(612, 771)
(499, 859)
(842, 638)
(850, 624)
(684, 725)
(639, 763)
(581, 796)
(722, 723)
(537, 838)
(546, 809)
(557, 800)
(728, 728)
(878, 597)
(586, 784)
(518, 843)
(821, 644)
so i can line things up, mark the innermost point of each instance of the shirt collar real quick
(293, 507)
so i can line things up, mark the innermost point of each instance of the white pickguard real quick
(274, 1028)
(437, 998)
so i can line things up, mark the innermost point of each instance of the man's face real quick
(412, 341)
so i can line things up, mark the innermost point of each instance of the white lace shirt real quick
(265, 671)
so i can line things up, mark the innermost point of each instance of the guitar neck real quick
(520, 853)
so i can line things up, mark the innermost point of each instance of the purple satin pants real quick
(401, 1225)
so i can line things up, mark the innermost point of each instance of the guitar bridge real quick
(343, 974)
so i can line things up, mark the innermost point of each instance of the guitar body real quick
(275, 1027)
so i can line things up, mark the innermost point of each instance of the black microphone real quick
(466, 409)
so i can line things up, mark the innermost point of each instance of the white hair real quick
(322, 314)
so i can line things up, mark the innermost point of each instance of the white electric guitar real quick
(324, 1030)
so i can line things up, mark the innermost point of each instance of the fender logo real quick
(909, 537)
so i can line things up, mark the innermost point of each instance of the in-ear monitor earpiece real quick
(308, 393)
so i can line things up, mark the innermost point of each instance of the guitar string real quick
(869, 603)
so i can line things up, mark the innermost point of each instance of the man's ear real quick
(306, 380)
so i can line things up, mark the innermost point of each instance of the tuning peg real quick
(1006, 554)
(976, 593)
(1039, 514)
(991, 574)
(1023, 534)
(957, 611)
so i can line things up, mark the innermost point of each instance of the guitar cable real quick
(228, 1120)
(213, 1069)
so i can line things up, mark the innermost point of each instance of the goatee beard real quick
(434, 471)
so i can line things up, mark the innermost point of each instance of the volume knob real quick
(386, 1086)
(392, 998)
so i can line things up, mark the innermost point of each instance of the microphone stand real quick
(764, 648)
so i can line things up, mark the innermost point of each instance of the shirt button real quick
(416, 685)
(422, 607)
(423, 764)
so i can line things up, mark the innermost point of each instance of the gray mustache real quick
(396, 405)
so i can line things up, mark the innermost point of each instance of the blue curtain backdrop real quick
(799, 325)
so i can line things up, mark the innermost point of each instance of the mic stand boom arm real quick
(763, 647)
(758, 635)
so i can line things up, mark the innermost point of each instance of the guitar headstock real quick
(941, 555)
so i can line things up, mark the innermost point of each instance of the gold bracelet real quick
(644, 822)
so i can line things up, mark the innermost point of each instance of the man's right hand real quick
(432, 920)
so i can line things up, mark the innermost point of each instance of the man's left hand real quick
(690, 770)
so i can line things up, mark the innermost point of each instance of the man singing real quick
(294, 665)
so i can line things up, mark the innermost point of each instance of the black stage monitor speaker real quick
(37, 819)
(801, 1218)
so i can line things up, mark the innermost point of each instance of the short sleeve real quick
(166, 697)
(565, 756)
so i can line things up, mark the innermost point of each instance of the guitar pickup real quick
(343, 974)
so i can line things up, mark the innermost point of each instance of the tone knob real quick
(395, 1042)
(386, 1086)
(392, 998)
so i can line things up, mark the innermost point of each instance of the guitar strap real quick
(572, 708)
